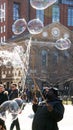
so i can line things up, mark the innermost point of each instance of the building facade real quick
(13, 10)
(61, 11)
(48, 65)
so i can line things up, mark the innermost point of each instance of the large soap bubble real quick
(41, 4)
(35, 26)
(19, 26)
(13, 107)
(63, 44)
(20, 103)
(10, 109)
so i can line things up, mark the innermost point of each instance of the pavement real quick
(67, 122)
(26, 117)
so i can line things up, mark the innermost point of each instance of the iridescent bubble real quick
(63, 44)
(13, 107)
(9, 108)
(41, 4)
(68, 41)
(3, 108)
(20, 103)
(19, 26)
(35, 26)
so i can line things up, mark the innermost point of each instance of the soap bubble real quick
(63, 44)
(41, 4)
(35, 26)
(13, 107)
(20, 103)
(68, 41)
(19, 26)
(10, 109)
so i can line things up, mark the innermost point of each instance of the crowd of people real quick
(47, 111)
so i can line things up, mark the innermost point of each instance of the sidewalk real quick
(67, 122)
(26, 117)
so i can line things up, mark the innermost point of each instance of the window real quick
(55, 58)
(66, 54)
(4, 28)
(4, 11)
(55, 13)
(44, 57)
(1, 39)
(70, 16)
(70, 2)
(1, 29)
(16, 11)
(40, 15)
(59, 1)
(4, 39)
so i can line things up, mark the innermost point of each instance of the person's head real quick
(13, 86)
(52, 93)
(1, 88)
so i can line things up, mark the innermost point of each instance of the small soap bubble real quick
(19, 26)
(35, 26)
(63, 44)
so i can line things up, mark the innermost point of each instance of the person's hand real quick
(35, 101)
(49, 107)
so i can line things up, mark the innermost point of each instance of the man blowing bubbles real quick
(48, 114)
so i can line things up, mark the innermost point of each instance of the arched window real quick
(44, 57)
(55, 58)
(66, 54)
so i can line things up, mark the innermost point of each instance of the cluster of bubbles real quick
(34, 26)
(10, 109)
(10, 58)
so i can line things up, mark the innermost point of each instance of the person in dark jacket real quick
(14, 94)
(3, 98)
(48, 113)
(14, 91)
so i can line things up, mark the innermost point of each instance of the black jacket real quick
(13, 94)
(3, 97)
(45, 120)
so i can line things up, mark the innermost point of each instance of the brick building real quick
(13, 10)
(48, 64)
(59, 16)
(61, 11)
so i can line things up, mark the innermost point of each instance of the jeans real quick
(15, 123)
